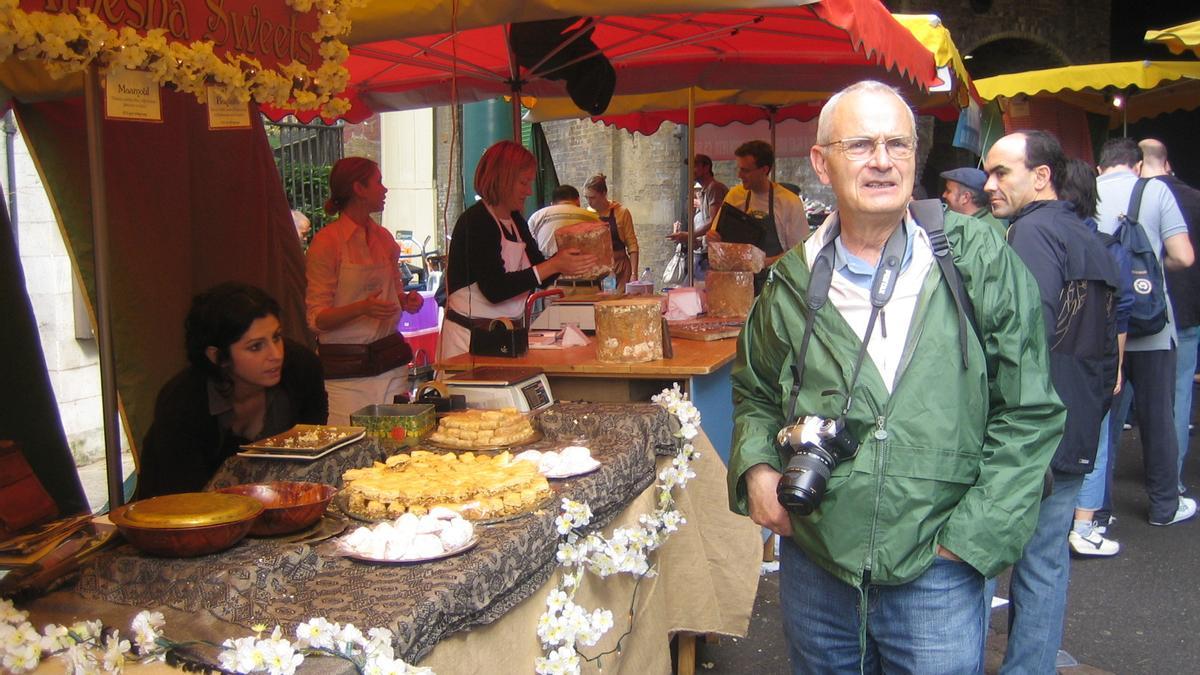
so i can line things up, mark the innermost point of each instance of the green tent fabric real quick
(29, 415)
(188, 208)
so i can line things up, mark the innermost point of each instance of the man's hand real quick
(944, 552)
(765, 509)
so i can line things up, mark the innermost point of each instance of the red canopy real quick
(810, 48)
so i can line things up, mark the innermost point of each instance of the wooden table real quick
(701, 368)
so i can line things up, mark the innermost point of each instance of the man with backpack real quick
(1078, 281)
(1183, 289)
(1149, 356)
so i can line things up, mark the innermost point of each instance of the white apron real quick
(355, 282)
(470, 301)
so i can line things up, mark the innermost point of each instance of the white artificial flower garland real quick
(566, 625)
(89, 648)
(68, 41)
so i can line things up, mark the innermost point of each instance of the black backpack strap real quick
(1135, 199)
(930, 216)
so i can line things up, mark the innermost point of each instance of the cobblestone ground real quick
(93, 478)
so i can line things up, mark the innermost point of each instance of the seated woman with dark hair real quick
(239, 388)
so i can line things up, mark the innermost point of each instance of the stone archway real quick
(999, 53)
(1013, 53)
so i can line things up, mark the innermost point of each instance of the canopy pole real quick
(771, 125)
(108, 373)
(691, 178)
(516, 112)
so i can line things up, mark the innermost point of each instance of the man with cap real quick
(964, 194)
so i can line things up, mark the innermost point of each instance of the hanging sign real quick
(271, 32)
(131, 95)
(225, 111)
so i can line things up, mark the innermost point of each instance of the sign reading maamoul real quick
(132, 95)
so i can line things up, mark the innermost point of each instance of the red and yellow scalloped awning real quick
(645, 113)
(1148, 88)
(797, 47)
(1178, 39)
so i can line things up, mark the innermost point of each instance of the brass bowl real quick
(289, 506)
(187, 524)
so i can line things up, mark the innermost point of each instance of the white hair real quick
(825, 121)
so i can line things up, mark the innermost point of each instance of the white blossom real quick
(145, 627)
(349, 637)
(317, 632)
(242, 655)
(10, 614)
(115, 650)
(21, 658)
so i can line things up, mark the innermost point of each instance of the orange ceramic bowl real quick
(188, 524)
(289, 506)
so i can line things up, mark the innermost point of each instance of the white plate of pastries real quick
(439, 534)
(571, 461)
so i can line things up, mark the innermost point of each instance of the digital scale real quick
(492, 387)
(557, 314)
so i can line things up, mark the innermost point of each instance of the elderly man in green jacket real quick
(934, 481)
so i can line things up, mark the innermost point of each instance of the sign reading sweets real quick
(132, 95)
(269, 31)
(226, 112)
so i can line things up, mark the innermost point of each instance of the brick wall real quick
(644, 174)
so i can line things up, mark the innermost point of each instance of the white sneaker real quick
(1185, 510)
(1093, 544)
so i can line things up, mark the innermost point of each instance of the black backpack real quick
(1149, 313)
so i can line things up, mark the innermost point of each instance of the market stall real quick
(706, 572)
(702, 368)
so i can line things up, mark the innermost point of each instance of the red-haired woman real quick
(494, 262)
(355, 294)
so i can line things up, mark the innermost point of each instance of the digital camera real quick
(814, 446)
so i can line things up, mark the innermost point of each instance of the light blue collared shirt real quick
(860, 272)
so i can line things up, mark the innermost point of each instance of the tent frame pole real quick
(689, 190)
(94, 113)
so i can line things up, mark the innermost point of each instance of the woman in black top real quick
(239, 388)
(494, 261)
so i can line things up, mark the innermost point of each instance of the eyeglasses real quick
(858, 149)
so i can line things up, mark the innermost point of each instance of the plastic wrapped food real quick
(729, 293)
(629, 330)
(725, 257)
(593, 238)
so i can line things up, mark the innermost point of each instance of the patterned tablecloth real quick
(262, 581)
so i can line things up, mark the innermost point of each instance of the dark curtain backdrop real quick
(187, 208)
(29, 414)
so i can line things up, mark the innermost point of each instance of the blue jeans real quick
(1091, 494)
(931, 625)
(1038, 590)
(1185, 369)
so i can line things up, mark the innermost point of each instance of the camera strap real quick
(883, 284)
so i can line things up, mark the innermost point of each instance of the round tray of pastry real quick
(483, 430)
(483, 488)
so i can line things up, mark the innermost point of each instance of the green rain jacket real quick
(953, 456)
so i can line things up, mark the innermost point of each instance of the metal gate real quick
(304, 154)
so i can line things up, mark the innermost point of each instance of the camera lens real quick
(803, 483)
